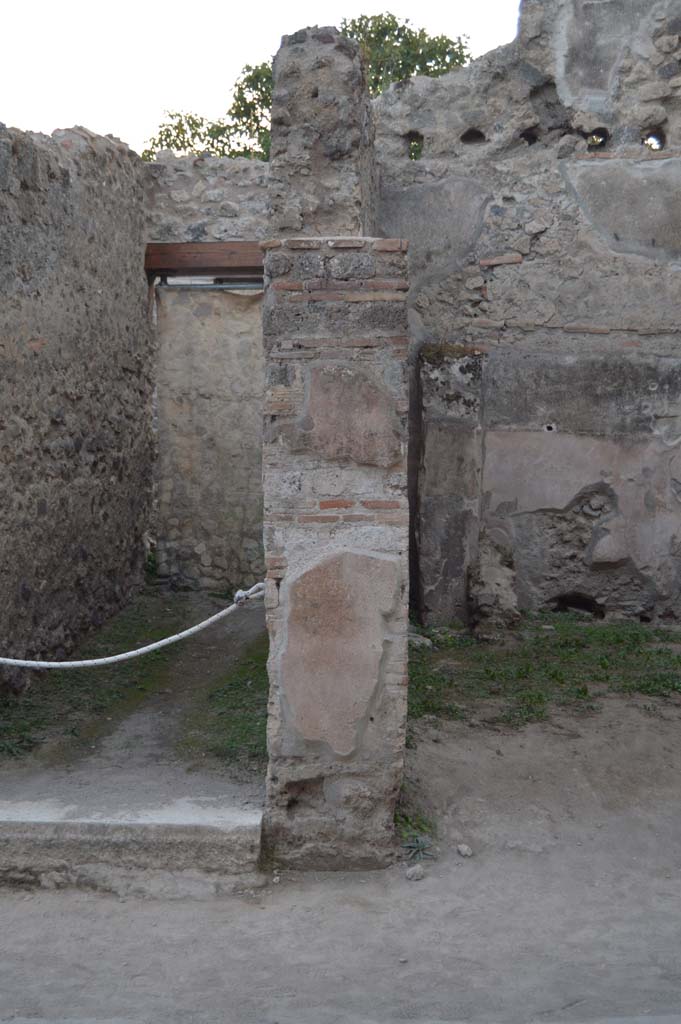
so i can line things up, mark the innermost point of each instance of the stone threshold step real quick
(134, 857)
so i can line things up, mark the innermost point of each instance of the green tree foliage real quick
(244, 131)
(392, 51)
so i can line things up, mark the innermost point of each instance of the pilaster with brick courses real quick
(336, 538)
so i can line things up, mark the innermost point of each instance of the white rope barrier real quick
(240, 599)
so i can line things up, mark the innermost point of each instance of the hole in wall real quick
(654, 139)
(550, 427)
(530, 136)
(549, 109)
(414, 142)
(598, 138)
(473, 136)
(573, 601)
(315, 93)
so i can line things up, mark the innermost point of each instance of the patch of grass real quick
(231, 720)
(78, 704)
(410, 822)
(430, 690)
(551, 660)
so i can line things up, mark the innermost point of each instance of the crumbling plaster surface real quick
(210, 382)
(598, 510)
(558, 266)
(75, 385)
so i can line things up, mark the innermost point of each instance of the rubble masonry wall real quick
(75, 385)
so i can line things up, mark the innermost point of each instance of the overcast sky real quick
(115, 67)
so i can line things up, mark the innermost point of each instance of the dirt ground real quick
(569, 909)
(133, 762)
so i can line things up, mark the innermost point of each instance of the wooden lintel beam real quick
(231, 260)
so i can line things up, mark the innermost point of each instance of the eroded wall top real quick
(322, 173)
(533, 172)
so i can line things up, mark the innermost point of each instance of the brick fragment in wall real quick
(336, 525)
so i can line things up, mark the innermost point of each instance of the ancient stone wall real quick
(75, 385)
(210, 383)
(205, 198)
(336, 537)
(545, 240)
(322, 170)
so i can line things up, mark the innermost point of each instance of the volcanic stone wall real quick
(336, 538)
(322, 169)
(205, 198)
(545, 263)
(75, 385)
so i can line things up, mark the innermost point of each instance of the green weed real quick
(230, 721)
(550, 660)
(410, 822)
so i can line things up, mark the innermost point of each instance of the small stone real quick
(667, 44)
(522, 245)
(651, 91)
(536, 227)
(566, 146)
(415, 873)
(404, 960)
(463, 850)
(419, 642)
